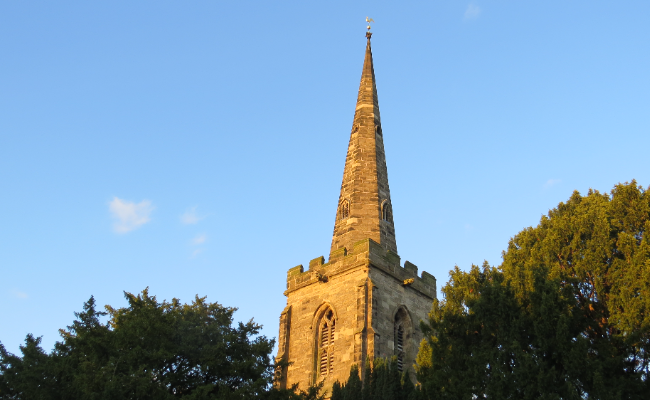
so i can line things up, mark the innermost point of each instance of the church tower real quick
(362, 303)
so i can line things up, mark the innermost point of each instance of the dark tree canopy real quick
(565, 316)
(382, 380)
(148, 350)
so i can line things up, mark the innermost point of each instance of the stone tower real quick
(362, 303)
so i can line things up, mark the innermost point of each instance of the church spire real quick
(364, 209)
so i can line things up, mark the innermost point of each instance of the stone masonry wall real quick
(365, 288)
(392, 295)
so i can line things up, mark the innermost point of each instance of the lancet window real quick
(378, 130)
(386, 211)
(326, 331)
(344, 209)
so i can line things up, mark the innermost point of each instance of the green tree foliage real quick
(27, 377)
(565, 316)
(382, 381)
(148, 350)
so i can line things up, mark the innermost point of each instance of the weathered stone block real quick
(429, 279)
(295, 271)
(411, 268)
(337, 255)
(393, 258)
(316, 262)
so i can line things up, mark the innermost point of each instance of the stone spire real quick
(364, 210)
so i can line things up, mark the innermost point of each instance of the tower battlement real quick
(365, 253)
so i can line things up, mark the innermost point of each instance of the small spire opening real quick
(344, 209)
(386, 211)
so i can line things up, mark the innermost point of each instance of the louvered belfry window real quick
(400, 348)
(403, 331)
(327, 328)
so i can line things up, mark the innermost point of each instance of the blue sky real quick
(198, 147)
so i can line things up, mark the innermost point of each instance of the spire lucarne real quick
(364, 210)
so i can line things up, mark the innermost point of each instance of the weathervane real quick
(369, 20)
(368, 34)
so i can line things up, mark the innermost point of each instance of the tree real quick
(565, 316)
(29, 376)
(149, 350)
(382, 381)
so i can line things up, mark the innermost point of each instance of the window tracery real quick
(344, 209)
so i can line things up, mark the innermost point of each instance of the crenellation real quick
(295, 271)
(411, 268)
(393, 258)
(338, 254)
(316, 262)
(365, 253)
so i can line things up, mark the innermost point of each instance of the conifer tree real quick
(368, 379)
(382, 381)
(566, 315)
(352, 390)
(31, 376)
(408, 391)
(393, 388)
(149, 350)
(337, 391)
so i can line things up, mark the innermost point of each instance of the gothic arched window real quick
(386, 211)
(344, 209)
(378, 130)
(326, 330)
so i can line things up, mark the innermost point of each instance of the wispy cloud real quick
(551, 182)
(128, 215)
(18, 294)
(472, 11)
(199, 239)
(191, 217)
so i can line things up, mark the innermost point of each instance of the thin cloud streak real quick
(128, 215)
(472, 11)
(199, 239)
(551, 182)
(18, 294)
(190, 217)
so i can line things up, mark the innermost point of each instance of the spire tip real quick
(369, 20)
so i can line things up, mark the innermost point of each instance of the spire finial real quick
(369, 20)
